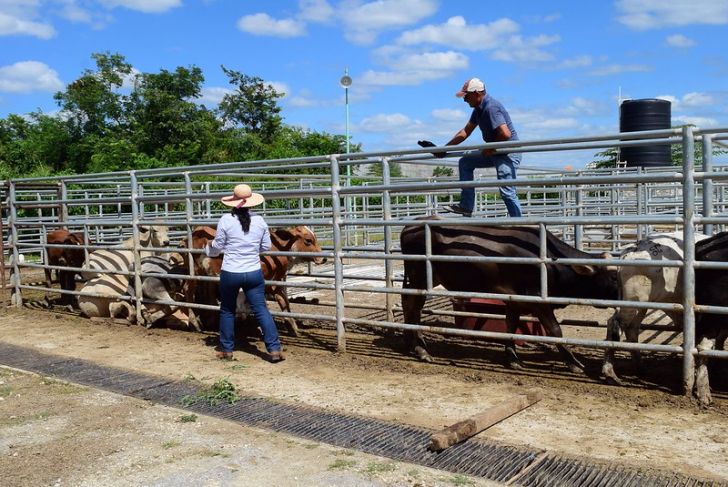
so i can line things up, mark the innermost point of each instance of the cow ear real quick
(204, 232)
(143, 228)
(584, 270)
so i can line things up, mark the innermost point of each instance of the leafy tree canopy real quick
(116, 118)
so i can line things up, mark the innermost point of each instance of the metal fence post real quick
(688, 260)
(15, 278)
(579, 229)
(387, 214)
(338, 262)
(135, 235)
(189, 217)
(707, 183)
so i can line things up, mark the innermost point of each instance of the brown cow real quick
(275, 267)
(65, 258)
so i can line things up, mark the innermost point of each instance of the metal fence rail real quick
(359, 219)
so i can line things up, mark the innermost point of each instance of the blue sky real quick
(557, 66)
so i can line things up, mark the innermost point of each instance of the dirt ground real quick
(646, 423)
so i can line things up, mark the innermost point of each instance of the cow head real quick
(155, 236)
(298, 239)
(204, 265)
(74, 257)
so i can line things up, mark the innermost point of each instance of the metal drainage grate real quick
(517, 466)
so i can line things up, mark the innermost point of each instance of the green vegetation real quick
(115, 118)
(342, 464)
(188, 418)
(219, 392)
(608, 157)
(170, 444)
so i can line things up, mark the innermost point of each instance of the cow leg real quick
(547, 318)
(632, 334)
(412, 307)
(512, 322)
(192, 319)
(613, 327)
(281, 297)
(702, 381)
(68, 283)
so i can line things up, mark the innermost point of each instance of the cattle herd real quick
(108, 274)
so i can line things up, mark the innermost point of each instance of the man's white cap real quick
(471, 85)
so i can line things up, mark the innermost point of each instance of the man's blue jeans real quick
(505, 167)
(253, 285)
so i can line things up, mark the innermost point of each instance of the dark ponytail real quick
(243, 215)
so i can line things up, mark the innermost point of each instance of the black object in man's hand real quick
(427, 143)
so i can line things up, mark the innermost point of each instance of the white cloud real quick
(29, 76)
(386, 122)
(211, 96)
(455, 32)
(613, 69)
(583, 107)
(695, 99)
(700, 122)
(265, 25)
(691, 100)
(576, 62)
(364, 21)
(413, 68)
(281, 87)
(450, 115)
(315, 10)
(526, 50)
(654, 14)
(146, 6)
(12, 25)
(679, 40)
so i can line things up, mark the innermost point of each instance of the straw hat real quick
(242, 197)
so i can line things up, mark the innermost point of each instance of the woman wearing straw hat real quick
(241, 237)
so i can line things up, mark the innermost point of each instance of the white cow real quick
(112, 286)
(646, 284)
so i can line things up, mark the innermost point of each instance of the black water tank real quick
(645, 114)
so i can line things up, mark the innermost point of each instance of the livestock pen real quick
(358, 219)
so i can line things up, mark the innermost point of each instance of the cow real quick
(711, 330)
(112, 286)
(158, 288)
(65, 257)
(645, 284)
(275, 267)
(578, 281)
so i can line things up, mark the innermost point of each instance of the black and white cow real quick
(711, 285)
(578, 281)
(646, 284)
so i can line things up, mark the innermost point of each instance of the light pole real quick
(345, 83)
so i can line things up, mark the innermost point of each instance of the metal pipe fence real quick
(358, 220)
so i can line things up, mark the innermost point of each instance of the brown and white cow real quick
(275, 267)
(65, 257)
(655, 284)
(576, 281)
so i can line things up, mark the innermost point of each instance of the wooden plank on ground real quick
(475, 424)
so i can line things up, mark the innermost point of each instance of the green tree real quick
(442, 171)
(253, 106)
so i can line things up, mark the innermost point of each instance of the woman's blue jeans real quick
(253, 285)
(505, 167)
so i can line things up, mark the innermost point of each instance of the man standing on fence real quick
(496, 126)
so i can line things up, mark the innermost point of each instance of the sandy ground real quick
(646, 423)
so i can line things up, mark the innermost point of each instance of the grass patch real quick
(341, 464)
(238, 367)
(375, 467)
(214, 453)
(60, 387)
(461, 481)
(5, 391)
(188, 418)
(219, 392)
(170, 444)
